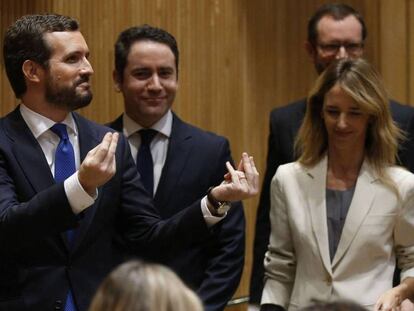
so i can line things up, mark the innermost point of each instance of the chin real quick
(82, 101)
(84, 93)
(156, 111)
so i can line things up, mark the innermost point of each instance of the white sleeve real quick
(78, 198)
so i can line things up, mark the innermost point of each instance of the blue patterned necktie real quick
(145, 164)
(64, 168)
(64, 156)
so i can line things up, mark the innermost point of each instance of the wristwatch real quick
(220, 207)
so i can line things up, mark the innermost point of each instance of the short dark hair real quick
(338, 11)
(24, 40)
(141, 33)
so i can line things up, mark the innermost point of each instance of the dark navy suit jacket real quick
(284, 125)
(195, 161)
(36, 265)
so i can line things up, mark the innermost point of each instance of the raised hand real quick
(99, 164)
(239, 184)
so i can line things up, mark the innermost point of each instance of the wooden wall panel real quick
(239, 59)
(394, 47)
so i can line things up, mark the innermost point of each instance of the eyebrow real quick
(75, 52)
(341, 42)
(145, 67)
(333, 106)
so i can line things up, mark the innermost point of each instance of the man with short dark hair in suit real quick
(335, 31)
(72, 204)
(186, 160)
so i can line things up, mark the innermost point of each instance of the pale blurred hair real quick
(139, 286)
(358, 79)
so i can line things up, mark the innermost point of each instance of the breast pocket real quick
(379, 219)
(376, 229)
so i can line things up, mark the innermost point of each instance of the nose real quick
(86, 68)
(154, 83)
(342, 121)
(342, 53)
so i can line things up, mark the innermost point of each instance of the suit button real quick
(58, 304)
(328, 280)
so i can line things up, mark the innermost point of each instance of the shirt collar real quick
(39, 124)
(163, 125)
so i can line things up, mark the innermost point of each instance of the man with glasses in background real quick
(335, 31)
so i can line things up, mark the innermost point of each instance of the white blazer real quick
(377, 229)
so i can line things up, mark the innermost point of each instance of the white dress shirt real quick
(159, 148)
(40, 126)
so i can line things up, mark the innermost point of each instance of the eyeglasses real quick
(351, 48)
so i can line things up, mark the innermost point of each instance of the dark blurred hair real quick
(24, 40)
(141, 33)
(340, 305)
(337, 11)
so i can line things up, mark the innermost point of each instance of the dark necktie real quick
(145, 164)
(64, 168)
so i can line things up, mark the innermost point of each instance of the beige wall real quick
(239, 59)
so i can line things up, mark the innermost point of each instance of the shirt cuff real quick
(78, 198)
(209, 219)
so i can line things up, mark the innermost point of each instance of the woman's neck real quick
(343, 168)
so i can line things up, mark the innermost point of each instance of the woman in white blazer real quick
(343, 213)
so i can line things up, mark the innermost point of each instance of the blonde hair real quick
(358, 79)
(139, 286)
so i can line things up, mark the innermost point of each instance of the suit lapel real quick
(315, 194)
(117, 124)
(27, 151)
(178, 151)
(361, 203)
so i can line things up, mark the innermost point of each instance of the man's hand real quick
(239, 184)
(99, 165)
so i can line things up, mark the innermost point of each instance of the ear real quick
(32, 71)
(310, 49)
(117, 82)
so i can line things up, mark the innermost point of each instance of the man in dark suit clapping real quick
(72, 204)
(185, 161)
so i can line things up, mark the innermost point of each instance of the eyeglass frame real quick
(333, 48)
